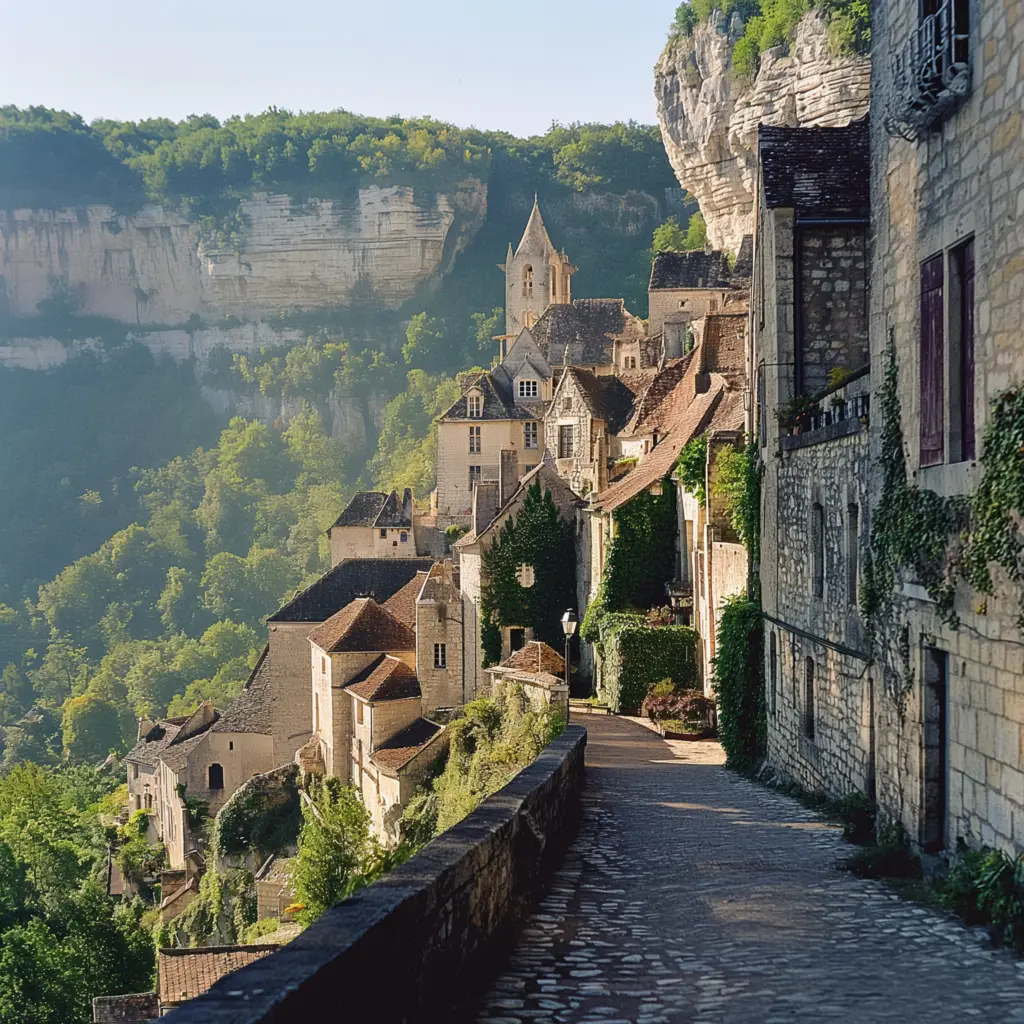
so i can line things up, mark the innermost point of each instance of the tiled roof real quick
(816, 170)
(585, 326)
(386, 679)
(723, 347)
(250, 711)
(657, 406)
(132, 1008)
(147, 751)
(497, 402)
(694, 269)
(607, 397)
(375, 508)
(398, 751)
(378, 578)
(277, 869)
(536, 656)
(442, 582)
(363, 626)
(187, 973)
(403, 603)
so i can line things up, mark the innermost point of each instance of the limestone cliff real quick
(386, 244)
(709, 115)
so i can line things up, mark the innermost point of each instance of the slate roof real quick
(442, 582)
(374, 508)
(536, 656)
(187, 973)
(586, 326)
(398, 751)
(816, 171)
(132, 1008)
(149, 748)
(378, 578)
(695, 269)
(609, 398)
(250, 711)
(386, 679)
(403, 603)
(498, 403)
(363, 625)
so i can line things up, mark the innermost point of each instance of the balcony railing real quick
(931, 74)
(856, 408)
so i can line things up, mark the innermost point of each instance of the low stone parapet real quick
(420, 943)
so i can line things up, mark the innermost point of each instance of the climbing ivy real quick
(691, 467)
(641, 556)
(739, 683)
(738, 483)
(540, 538)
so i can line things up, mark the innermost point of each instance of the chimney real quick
(485, 505)
(508, 475)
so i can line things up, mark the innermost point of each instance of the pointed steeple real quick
(535, 237)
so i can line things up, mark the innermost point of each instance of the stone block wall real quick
(397, 948)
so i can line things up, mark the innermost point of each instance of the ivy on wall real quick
(691, 467)
(641, 557)
(637, 655)
(540, 538)
(739, 684)
(738, 483)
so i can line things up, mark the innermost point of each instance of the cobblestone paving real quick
(691, 894)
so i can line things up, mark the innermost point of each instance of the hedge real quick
(739, 682)
(636, 656)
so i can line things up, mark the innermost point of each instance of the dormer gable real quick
(474, 403)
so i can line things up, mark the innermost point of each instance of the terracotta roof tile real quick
(403, 603)
(363, 626)
(537, 657)
(386, 679)
(398, 751)
(187, 973)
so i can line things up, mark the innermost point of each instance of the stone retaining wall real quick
(423, 940)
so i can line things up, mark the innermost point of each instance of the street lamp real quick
(568, 628)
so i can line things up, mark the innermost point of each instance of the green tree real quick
(92, 727)
(696, 232)
(669, 237)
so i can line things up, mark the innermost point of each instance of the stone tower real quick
(536, 276)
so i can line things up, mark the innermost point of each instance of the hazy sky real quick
(515, 64)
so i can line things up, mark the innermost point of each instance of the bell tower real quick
(536, 276)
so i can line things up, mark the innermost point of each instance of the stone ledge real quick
(844, 428)
(424, 939)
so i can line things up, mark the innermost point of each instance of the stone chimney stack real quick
(485, 505)
(508, 475)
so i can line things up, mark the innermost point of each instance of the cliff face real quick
(709, 116)
(386, 244)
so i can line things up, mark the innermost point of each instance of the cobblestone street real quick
(691, 894)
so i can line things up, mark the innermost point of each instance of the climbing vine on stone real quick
(641, 556)
(691, 466)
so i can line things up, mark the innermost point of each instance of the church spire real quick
(535, 238)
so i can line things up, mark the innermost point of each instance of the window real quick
(231, 744)
(404, 537)
(773, 668)
(474, 440)
(931, 359)
(567, 403)
(528, 281)
(935, 742)
(529, 435)
(135, 771)
(554, 285)
(852, 554)
(629, 362)
(565, 441)
(527, 389)
(516, 639)
(762, 419)
(359, 712)
(817, 550)
(215, 776)
(961, 356)
(440, 656)
(383, 534)
(149, 801)
(138, 802)
(474, 476)
(475, 406)
(809, 698)
(525, 574)
(712, 305)
(323, 665)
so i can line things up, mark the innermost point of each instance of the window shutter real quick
(967, 352)
(931, 378)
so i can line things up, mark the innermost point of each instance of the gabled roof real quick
(403, 603)
(656, 407)
(374, 508)
(442, 584)
(536, 656)
(378, 578)
(363, 626)
(149, 747)
(250, 711)
(586, 327)
(535, 238)
(387, 678)
(497, 405)
(694, 269)
(187, 973)
(608, 398)
(816, 171)
(397, 752)
(525, 351)
(171, 740)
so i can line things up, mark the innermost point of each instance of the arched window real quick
(554, 284)
(404, 537)
(528, 281)
(215, 775)
(817, 550)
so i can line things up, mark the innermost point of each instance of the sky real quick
(515, 65)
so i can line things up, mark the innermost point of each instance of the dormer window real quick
(528, 389)
(475, 406)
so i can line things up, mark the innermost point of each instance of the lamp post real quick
(568, 628)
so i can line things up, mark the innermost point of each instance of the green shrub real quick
(739, 682)
(891, 857)
(692, 467)
(738, 483)
(637, 656)
(986, 886)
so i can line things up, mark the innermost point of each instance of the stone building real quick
(600, 335)
(540, 670)
(947, 293)
(536, 276)
(810, 319)
(375, 525)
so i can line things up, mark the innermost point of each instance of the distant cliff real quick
(386, 244)
(709, 114)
